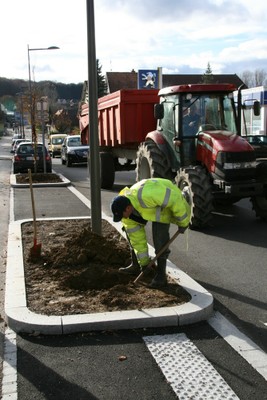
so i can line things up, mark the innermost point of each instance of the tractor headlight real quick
(240, 165)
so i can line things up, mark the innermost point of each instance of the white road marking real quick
(189, 373)
(252, 353)
(9, 384)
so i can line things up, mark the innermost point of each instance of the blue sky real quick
(181, 36)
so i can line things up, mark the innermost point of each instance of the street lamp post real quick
(20, 94)
(32, 99)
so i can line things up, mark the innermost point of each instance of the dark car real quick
(259, 143)
(24, 158)
(73, 151)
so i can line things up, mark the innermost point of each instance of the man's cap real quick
(119, 205)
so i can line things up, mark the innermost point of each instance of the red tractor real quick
(197, 143)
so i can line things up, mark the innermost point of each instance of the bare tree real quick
(260, 77)
(247, 78)
(254, 78)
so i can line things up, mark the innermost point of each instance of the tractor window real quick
(217, 113)
(229, 122)
(167, 124)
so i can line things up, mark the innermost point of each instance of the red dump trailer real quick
(124, 119)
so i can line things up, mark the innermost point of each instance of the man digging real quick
(161, 202)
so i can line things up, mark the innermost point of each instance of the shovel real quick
(166, 245)
(35, 251)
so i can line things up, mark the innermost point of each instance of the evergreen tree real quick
(101, 81)
(208, 76)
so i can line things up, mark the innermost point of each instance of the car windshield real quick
(74, 142)
(29, 149)
(257, 139)
(57, 140)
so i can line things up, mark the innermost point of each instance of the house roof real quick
(129, 80)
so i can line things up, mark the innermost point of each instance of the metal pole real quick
(31, 100)
(96, 207)
(43, 134)
(32, 114)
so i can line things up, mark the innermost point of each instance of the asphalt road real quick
(229, 260)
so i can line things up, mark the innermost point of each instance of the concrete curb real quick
(21, 319)
(65, 182)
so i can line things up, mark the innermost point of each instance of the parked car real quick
(16, 142)
(24, 158)
(73, 151)
(55, 144)
(15, 137)
(259, 143)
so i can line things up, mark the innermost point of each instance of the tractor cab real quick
(189, 115)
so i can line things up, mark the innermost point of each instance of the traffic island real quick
(38, 180)
(44, 297)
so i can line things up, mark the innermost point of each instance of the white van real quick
(55, 144)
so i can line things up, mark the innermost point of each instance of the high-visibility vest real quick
(156, 200)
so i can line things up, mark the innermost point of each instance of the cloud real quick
(178, 36)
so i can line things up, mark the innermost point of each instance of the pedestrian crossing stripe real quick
(189, 373)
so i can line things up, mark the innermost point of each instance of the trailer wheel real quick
(107, 170)
(151, 162)
(195, 184)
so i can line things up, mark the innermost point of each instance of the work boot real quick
(130, 270)
(160, 279)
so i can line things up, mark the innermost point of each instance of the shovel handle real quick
(166, 245)
(33, 205)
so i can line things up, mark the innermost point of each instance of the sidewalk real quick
(21, 319)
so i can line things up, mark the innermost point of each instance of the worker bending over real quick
(157, 200)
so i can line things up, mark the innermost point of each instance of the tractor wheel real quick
(259, 205)
(195, 184)
(225, 202)
(151, 162)
(107, 170)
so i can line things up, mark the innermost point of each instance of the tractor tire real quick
(225, 202)
(151, 162)
(195, 184)
(107, 170)
(259, 205)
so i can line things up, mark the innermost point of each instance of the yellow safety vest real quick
(157, 200)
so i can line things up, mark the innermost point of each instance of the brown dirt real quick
(77, 271)
(38, 178)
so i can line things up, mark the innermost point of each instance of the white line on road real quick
(9, 384)
(252, 353)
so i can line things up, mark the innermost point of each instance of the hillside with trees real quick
(63, 99)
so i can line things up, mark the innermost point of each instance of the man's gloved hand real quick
(182, 229)
(146, 269)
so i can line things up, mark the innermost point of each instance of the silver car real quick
(73, 151)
